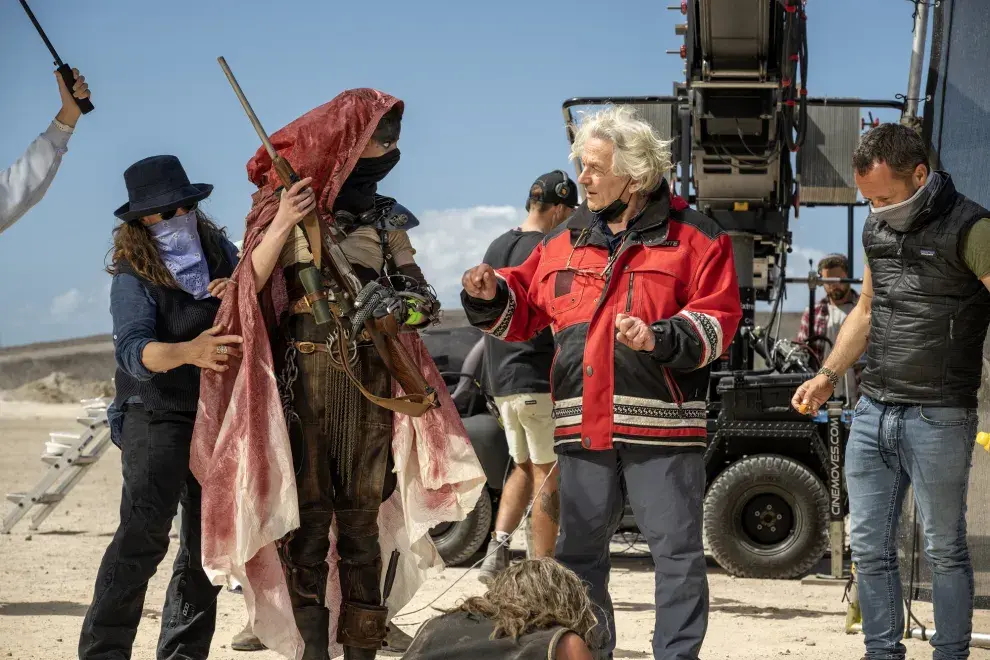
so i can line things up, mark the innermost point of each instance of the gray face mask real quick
(901, 217)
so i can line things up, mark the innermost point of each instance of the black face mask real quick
(612, 212)
(357, 195)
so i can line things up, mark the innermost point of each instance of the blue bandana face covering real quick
(182, 251)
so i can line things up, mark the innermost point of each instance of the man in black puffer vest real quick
(921, 320)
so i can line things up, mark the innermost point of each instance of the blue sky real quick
(482, 82)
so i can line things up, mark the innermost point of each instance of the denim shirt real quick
(134, 313)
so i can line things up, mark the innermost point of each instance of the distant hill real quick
(90, 359)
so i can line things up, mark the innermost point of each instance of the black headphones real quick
(563, 188)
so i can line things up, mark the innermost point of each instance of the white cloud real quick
(797, 260)
(75, 305)
(66, 304)
(449, 242)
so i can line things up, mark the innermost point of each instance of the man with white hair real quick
(641, 294)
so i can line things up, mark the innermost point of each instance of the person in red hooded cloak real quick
(288, 393)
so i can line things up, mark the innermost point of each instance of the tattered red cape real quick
(240, 448)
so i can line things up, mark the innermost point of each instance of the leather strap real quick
(414, 405)
(303, 305)
(362, 626)
(309, 347)
(311, 225)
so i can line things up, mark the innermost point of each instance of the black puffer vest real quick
(930, 312)
(180, 317)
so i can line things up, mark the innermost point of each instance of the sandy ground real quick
(46, 579)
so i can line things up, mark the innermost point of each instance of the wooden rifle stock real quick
(384, 334)
(311, 224)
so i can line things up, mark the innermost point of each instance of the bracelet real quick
(831, 375)
(65, 128)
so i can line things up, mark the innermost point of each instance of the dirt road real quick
(46, 579)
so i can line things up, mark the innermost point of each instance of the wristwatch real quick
(831, 375)
(65, 128)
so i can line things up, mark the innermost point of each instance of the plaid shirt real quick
(821, 324)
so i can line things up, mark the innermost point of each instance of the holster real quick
(362, 626)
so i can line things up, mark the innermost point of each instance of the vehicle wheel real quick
(767, 517)
(458, 541)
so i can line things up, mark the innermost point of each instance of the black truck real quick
(774, 476)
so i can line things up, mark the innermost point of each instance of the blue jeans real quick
(931, 449)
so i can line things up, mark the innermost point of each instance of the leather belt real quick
(310, 347)
(302, 305)
(307, 347)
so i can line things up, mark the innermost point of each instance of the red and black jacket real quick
(673, 269)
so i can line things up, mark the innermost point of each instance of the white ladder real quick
(69, 456)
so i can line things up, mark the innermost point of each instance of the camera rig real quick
(750, 148)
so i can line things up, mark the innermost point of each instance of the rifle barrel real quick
(246, 105)
(37, 25)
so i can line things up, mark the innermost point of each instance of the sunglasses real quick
(168, 215)
(592, 273)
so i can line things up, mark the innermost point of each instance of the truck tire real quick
(458, 541)
(767, 517)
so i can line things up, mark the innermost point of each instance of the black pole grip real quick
(85, 105)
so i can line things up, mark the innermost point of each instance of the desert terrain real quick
(46, 578)
(47, 575)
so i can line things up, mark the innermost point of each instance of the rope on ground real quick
(529, 510)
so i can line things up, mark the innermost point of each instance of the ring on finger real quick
(221, 350)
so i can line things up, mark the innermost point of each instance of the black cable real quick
(803, 94)
(774, 309)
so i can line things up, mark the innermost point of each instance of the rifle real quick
(356, 301)
(64, 70)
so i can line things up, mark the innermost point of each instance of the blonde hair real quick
(535, 594)
(639, 153)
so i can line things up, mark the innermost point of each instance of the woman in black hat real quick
(170, 265)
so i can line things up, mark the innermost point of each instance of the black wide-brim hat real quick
(158, 184)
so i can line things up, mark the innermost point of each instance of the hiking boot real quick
(497, 559)
(313, 623)
(396, 641)
(246, 640)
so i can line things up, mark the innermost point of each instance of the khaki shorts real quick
(528, 427)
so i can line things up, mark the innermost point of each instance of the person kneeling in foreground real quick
(534, 609)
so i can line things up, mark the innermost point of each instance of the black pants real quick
(341, 447)
(665, 492)
(155, 465)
